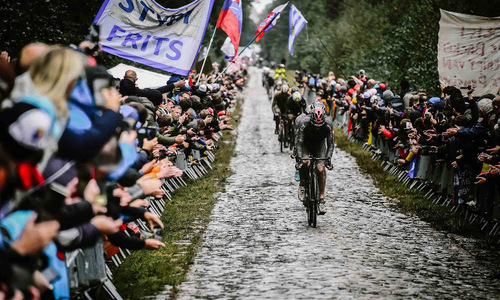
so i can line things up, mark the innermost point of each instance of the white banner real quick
(145, 32)
(469, 52)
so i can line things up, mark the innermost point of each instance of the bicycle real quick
(291, 133)
(285, 131)
(311, 201)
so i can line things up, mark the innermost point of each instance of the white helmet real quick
(284, 88)
(316, 104)
(282, 66)
(296, 97)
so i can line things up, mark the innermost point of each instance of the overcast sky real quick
(258, 5)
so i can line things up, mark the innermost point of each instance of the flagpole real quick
(328, 51)
(205, 60)
(249, 43)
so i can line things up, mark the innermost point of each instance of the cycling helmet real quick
(295, 89)
(282, 66)
(284, 88)
(296, 96)
(318, 117)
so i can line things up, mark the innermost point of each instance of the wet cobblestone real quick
(258, 244)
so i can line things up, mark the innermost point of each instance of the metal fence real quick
(88, 268)
(434, 178)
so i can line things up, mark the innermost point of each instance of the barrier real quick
(88, 269)
(438, 180)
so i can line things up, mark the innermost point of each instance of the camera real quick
(148, 133)
(162, 154)
(93, 37)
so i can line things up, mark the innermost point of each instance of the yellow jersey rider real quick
(280, 71)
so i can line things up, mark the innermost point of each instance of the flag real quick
(228, 49)
(145, 32)
(412, 171)
(296, 23)
(270, 21)
(231, 20)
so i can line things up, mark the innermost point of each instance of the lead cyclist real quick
(315, 137)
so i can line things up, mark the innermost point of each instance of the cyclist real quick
(315, 137)
(279, 105)
(265, 73)
(296, 105)
(280, 72)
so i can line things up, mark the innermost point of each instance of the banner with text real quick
(468, 52)
(145, 32)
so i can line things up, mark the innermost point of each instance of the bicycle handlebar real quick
(314, 158)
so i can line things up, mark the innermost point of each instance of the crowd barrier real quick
(434, 178)
(88, 268)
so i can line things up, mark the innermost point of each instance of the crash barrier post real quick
(89, 270)
(437, 180)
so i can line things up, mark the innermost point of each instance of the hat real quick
(27, 129)
(192, 114)
(129, 112)
(130, 116)
(153, 95)
(388, 95)
(202, 88)
(55, 165)
(7, 78)
(485, 104)
(434, 100)
(174, 78)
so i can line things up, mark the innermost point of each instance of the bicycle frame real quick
(312, 191)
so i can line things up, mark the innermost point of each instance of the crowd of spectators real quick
(83, 155)
(450, 139)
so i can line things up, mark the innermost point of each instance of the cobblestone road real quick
(258, 244)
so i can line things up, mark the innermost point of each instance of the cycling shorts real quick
(318, 151)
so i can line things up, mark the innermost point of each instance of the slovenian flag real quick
(270, 21)
(231, 20)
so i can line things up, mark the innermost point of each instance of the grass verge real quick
(145, 272)
(408, 200)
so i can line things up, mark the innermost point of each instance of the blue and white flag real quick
(146, 32)
(296, 22)
(412, 171)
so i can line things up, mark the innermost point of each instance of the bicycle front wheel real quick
(282, 137)
(314, 197)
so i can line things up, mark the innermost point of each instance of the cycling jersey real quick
(280, 72)
(311, 139)
(296, 108)
(280, 101)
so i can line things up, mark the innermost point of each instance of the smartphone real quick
(51, 274)
(99, 84)
(158, 234)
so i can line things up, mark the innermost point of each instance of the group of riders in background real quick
(303, 124)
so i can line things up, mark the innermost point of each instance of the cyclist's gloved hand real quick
(299, 163)
(329, 165)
